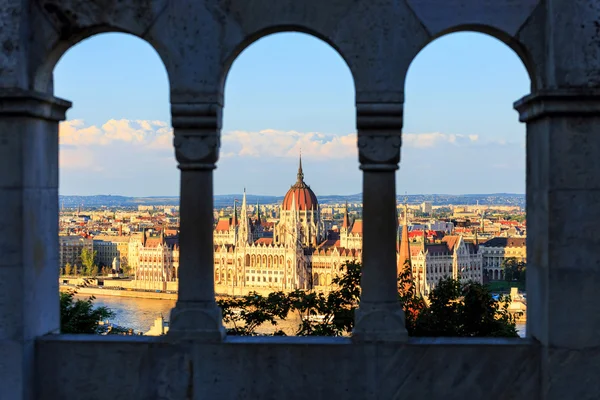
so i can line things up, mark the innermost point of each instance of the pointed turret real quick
(234, 219)
(244, 230)
(404, 257)
(244, 210)
(346, 220)
(258, 220)
(300, 172)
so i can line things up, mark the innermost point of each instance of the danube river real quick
(139, 314)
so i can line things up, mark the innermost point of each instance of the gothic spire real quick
(346, 220)
(258, 221)
(404, 257)
(234, 218)
(300, 172)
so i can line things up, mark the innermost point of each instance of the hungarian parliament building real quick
(298, 252)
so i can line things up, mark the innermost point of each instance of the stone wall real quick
(198, 40)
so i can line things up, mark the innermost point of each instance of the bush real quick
(454, 309)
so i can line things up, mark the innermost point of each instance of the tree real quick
(80, 316)
(249, 312)
(454, 309)
(88, 261)
(514, 270)
(68, 269)
(410, 299)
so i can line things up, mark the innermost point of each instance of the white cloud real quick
(83, 145)
(270, 142)
(428, 140)
(153, 134)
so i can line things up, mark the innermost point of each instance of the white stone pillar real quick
(563, 210)
(380, 316)
(197, 128)
(28, 232)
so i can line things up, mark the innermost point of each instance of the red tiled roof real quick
(450, 241)
(223, 224)
(265, 241)
(357, 226)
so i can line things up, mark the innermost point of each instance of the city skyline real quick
(283, 93)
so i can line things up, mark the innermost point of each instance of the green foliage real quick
(249, 312)
(466, 309)
(80, 316)
(410, 299)
(514, 270)
(88, 262)
(454, 309)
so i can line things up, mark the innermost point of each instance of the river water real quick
(139, 314)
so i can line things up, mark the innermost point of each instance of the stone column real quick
(563, 261)
(28, 232)
(197, 128)
(380, 316)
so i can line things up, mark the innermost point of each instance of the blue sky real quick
(285, 92)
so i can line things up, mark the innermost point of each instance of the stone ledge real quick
(83, 367)
(560, 102)
(297, 340)
(18, 102)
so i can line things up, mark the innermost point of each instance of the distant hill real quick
(227, 200)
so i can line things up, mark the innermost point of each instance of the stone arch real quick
(316, 279)
(252, 38)
(43, 75)
(247, 260)
(512, 43)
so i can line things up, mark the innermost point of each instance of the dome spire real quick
(300, 172)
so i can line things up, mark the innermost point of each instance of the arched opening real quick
(115, 152)
(298, 104)
(462, 172)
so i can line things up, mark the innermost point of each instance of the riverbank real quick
(139, 294)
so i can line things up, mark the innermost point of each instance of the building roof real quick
(223, 224)
(357, 226)
(300, 196)
(451, 241)
(505, 242)
(264, 240)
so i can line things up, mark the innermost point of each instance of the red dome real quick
(301, 194)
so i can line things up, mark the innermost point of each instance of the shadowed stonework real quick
(197, 40)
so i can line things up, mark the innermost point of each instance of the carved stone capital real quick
(379, 152)
(379, 323)
(576, 102)
(18, 103)
(197, 129)
(196, 321)
(379, 128)
(196, 151)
